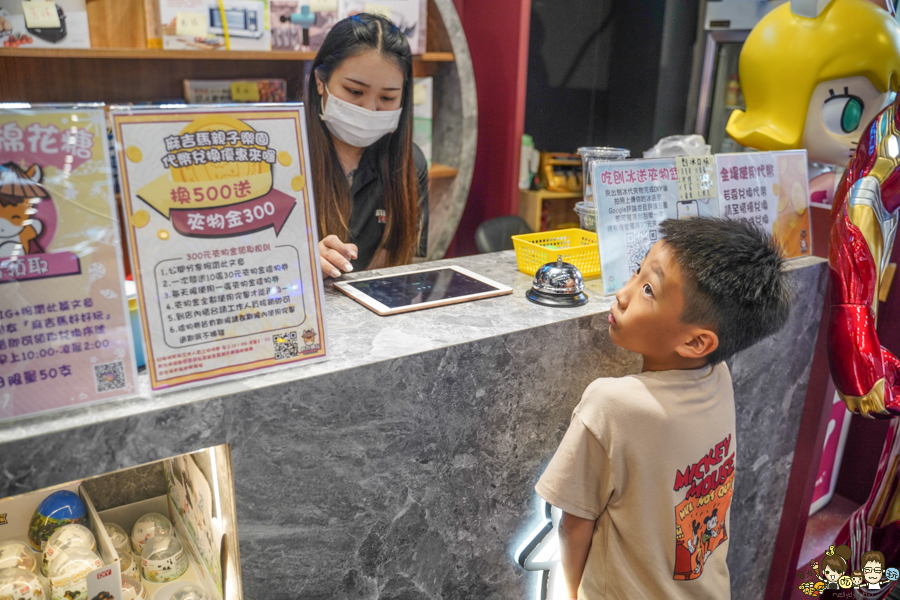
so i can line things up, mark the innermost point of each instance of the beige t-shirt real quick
(651, 458)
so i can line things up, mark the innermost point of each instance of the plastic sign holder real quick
(65, 333)
(632, 198)
(222, 230)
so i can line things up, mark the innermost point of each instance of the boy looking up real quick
(645, 472)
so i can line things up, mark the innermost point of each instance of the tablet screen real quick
(415, 288)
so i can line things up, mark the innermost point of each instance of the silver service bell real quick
(558, 284)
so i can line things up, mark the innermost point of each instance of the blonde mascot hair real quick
(787, 55)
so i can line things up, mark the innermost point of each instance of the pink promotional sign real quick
(63, 148)
(65, 337)
(40, 266)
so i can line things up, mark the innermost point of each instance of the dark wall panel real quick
(608, 72)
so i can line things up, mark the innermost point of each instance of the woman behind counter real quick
(370, 180)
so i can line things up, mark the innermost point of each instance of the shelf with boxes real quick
(120, 67)
(544, 210)
(148, 54)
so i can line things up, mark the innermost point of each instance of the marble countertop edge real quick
(361, 338)
(353, 333)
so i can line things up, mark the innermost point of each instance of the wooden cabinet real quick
(544, 210)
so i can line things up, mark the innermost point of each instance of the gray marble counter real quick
(403, 467)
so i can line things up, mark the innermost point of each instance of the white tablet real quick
(392, 294)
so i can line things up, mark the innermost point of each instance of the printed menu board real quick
(65, 335)
(223, 233)
(633, 197)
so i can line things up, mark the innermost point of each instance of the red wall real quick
(497, 33)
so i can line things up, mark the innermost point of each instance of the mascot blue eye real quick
(852, 114)
(843, 114)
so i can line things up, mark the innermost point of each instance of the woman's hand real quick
(335, 256)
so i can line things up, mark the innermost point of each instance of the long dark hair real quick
(396, 169)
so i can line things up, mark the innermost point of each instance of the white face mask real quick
(355, 125)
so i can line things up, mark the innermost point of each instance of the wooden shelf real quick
(141, 54)
(121, 69)
(116, 75)
(548, 195)
(441, 171)
(545, 210)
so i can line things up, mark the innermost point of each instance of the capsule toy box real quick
(187, 505)
(212, 561)
(203, 24)
(69, 30)
(127, 515)
(103, 580)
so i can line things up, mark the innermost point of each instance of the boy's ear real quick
(702, 342)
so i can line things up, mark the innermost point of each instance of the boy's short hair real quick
(735, 282)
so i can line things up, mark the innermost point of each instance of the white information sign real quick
(696, 177)
(223, 234)
(769, 189)
(632, 198)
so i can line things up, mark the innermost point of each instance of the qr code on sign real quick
(285, 345)
(109, 376)
(638, 244)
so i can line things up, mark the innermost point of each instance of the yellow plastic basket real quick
(576, 246)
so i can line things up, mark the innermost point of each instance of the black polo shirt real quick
(368, 217)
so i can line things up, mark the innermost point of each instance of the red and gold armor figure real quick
(835, 46)
(867, 376)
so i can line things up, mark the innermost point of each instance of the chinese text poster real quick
(65, 337)
(632, 198)
(223, 233)
(770, 189)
